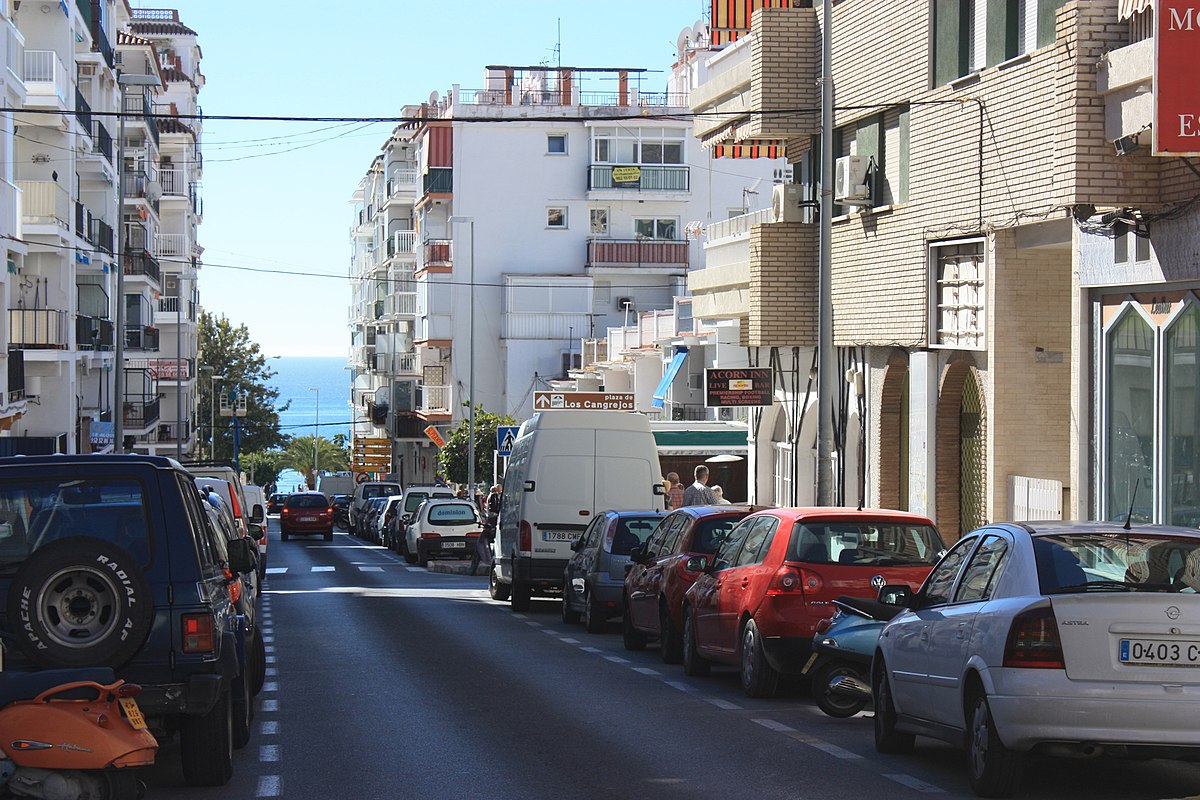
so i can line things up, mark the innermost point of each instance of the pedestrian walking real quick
(483, 545)
(674, 491)
(698, 494)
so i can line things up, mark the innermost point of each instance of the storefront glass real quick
(1183, 416)
(1130, 422)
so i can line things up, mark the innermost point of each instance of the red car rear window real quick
(865, 543)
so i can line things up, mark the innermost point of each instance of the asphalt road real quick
(389, 681)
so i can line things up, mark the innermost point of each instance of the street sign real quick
(435, 437)
(583, 401)
(506, 437)
(747, 386)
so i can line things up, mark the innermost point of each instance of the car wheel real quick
(995, 770)
(260, 664)
(833, 703)
(887, 738)
(83, 602)
(409, 558)
(670, 642)
(632, 638)
(594, 619)
(569, 615)
(759, 678)
(694, 664)
(123, 784)
(422, 556)
(206, 745)
(242, 706)
(520, 595)
(496, 589)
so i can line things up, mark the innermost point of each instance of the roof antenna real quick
(1129, 516)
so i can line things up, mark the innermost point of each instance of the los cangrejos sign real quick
(1176, 90)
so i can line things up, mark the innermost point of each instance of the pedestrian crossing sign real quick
(506, 437)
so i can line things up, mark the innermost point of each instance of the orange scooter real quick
(72, 734)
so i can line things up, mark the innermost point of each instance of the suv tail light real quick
(525, 537)
(235, 586)
(425, 535)
(198, 633)
(787, 580)
(1033, 641)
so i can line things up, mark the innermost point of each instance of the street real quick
(386, 680)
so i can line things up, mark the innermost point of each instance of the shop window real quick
(1182, 408)
(1130, 377)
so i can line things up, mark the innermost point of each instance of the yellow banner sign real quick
(626, 174)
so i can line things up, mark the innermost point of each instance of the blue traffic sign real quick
(506, 437)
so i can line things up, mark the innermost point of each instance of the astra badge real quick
(877, 582)
(1173, 612)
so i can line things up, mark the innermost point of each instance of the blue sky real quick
(276, 194)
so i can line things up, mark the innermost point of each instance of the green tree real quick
(452, 460)
(263, 467)
(227, 350)
(298, 455)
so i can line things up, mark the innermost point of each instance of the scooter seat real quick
(28, 685)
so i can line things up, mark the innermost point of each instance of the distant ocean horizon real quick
(295, 378)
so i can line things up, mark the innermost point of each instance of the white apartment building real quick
(13, 404)
(529, 215)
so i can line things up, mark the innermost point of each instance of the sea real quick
(295, 378)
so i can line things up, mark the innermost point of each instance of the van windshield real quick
(855, 543)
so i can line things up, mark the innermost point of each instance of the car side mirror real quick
(242, 555)
(696, 564)
(637, 554)
(577, 545)
(257, 515)
(897, 594)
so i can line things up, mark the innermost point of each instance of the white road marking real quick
(914, 783)
(268, 649)
(267, 638)
(833, 749)
(616, 659)
(550, 631)
(276, 570)
(269, 727)
(533, 622)
(269, 786)
(270, 686)
(270, 659)
(271, 672)
(775, 726)
(724, 704)
(680, 685)
(370, 569)
(416, 569)
(647, 671)
(590, 649)
(518, 616)
(323, 569)
(569, 640)
(268, 752)
(269, 705)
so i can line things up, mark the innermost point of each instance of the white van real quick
(566, 466)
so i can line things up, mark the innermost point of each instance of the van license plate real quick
(306, 519)
(133, 713)
(453, 545)
(560, 536)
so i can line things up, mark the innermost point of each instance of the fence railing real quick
(639, 178)
(15, 51)
(171, 245)
(44, 202)
(737, 226)
(140, 414)
(400, 304)
(174, 180)
(141, 337)
(104, 141)
(636, 253)
(139, 262)
(83, 111)
(101, 235)
(38, 329)
(438, 252)
(401, 243)
(404, 179)
(435, 398)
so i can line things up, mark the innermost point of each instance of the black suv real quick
(113, 561)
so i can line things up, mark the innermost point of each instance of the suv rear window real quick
(874, 544)
(379, 491)
(452, 514)
(36, 512)
(306, 501)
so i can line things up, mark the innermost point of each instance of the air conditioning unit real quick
(785, 203)
(625, 304)
(850, 185)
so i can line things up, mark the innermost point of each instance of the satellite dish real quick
(433, 98)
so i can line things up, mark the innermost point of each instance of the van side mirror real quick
(242, 555)
(257, 515)
(897, 594)
(529, 486)
(660, 490)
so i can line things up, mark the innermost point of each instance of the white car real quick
(1065, 638)
(390, 509)
(442, 528)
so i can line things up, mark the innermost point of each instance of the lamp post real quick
(123, 80)
(316, 432)
(471, 369)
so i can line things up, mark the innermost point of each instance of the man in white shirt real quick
(698, 494)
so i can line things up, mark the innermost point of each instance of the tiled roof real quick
(171, 125)
(161, 28)
(172, 75)
(124, 37)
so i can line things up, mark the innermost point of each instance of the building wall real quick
(783, 285)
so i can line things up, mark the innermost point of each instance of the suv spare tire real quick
(80, 601)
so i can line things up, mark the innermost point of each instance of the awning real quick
(660, 393)
(695, 441)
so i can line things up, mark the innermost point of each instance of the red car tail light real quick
(787, 580)
(430, 535)
(129, 690)
(475, 534)
(198, 635)
(810, 581)
(1033, 641)
(525, 537)
(283, 511)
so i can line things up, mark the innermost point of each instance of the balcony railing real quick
(639, 178)
(637, 253)
(45, 202)
(136, 103)
(83, 111)
(545, 326)
(171, 306)
(400, 304)
(171, 245)
(101, 235)
(737, 226)
(438, 253)
(45, 76)
(174, 181)
(93, 333)
(435, 398)
(138, 183)
(165, 433)
(402, 180)
(402, 243)
(16, 375)
(438, 180)
(141, 413)
(15, 53)
(37, 329)
(141, 337)
(100, 43)
(104, 141)
(139, 262)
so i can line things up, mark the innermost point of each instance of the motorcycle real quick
(341, 518)
(72, 734)
(840, 665)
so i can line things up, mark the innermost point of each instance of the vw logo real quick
(878, 581)
(1173, 612)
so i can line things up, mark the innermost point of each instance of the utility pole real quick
(826, 365)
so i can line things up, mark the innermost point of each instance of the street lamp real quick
(316, 432)
(123, 80)
(471, 370)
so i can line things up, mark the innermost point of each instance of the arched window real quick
(1130, 423)
(1182, 420)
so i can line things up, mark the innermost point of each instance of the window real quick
(758, 541)
(781, 473)
(656, 228)
(556, 144)
(1131, 453)
(972, 34)
(953, 38)
(1182, 480)
(883, 138)
(638, 146)
(556, 217)
(939, 583)
(729, 548)
(958, 292)
(979, 577)
(452, 514)
(599, 221)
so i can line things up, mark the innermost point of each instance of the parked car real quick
(412, 498)
(594, 578)
(257, 503)
(306, 514)
(275, 502)
(1061, 638)
(659, 578)
(368, 521)
(364, 493)
(442, 528)
(170, 624)
(759, 599)
(236, 496)
(386, 521)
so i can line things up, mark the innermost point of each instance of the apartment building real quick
(505, 225)
(974, 267)
(13, 404)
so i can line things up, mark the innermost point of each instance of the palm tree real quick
(299, 456)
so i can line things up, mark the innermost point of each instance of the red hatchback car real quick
(758, 601)
(306, 514)
(659, 576)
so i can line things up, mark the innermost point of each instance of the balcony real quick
(171, 245)
(104, 141)
(47, 82)
(565, 326)
(645, 254)
(16, 375)
(165, 433)
(438, 253)
(83, 112)
(38, 329)
(639, 178)
(93, 333)
(141, 413)
(439, 180)
(45, 203)
(402, 243)
(142, 184)
(14, 51)
(403, 183)
(100, 43)
(141, 103)
(435, 399)
(400, 304)
(140, 263)
(170, 308)
(141, 337)
(175, 181)
(101, 235)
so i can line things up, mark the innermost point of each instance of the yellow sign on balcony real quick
(626, 174)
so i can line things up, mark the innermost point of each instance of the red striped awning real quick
(440, 144)
(731, 18)
(756, 148)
